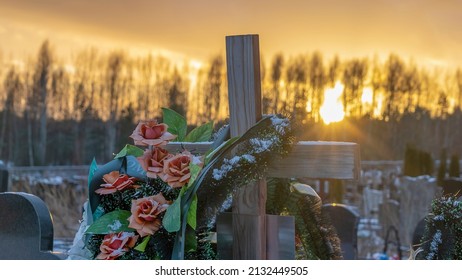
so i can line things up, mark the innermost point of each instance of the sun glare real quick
(332, 108)
(366, 97)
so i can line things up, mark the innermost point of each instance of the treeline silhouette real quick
(55, 112)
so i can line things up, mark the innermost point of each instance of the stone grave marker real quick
(345, 220)
(26, 228)
(418, 233)
(389, 215)
(415, 197)
(3, 179)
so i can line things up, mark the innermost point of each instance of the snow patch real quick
(115, 226)
(261, 145)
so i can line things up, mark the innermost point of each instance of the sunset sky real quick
(429, 31)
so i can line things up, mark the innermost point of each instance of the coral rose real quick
(145, 212)
(176, 169)
(115, 181)
(115, 245)
(151, 133)
(153, 161)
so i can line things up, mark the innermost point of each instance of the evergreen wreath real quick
(316, 238)
(150, 204)
(442, 239)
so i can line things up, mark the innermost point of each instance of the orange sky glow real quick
(427, 31)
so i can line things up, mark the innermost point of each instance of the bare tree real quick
(354, 75)
(113, 89)
(213, 86)
(177, 93)
(12, 85)
(40, 90)
(411, 88)
(394, 69)
(276, 75)
(317, 80)
(459, 87)
(333, 71)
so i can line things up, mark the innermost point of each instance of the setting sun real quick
(332, 108)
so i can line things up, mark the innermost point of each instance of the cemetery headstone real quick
(26, 228)
(415, 197)
(345, 220)
(389, 215)
(371, 200)
(3, 179)
(418, 233)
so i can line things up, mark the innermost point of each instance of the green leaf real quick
(172, 217)
(200, 134)
(130, 150)
(212, 154)
(112, 222)
(190, 240)
(176, 123)
(192, 221)
(142, 246)
(194, 170)
(91, 171)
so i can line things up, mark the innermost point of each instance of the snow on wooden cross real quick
(308, 159)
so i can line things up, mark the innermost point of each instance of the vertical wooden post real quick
(244, 93)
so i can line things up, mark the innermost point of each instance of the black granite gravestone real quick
(418, 233)
(3, 179)
(26, 228)
(345, 220)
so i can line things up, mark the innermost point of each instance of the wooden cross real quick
(308, 159)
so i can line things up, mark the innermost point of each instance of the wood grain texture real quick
(249, 237)
(244, 85)
(195, 148)
(319, 160)
(244, 93)
(308, 159)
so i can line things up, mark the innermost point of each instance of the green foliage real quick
(194, 170)
(172, 217)
(442, 239)
(200, 134)
(454, 168)
(216, 189)
(212, 153)
(113, 222)
(417, 162)
(192, 215)
(142, 246)
(176, 123)
(130, 150)
(318, 239)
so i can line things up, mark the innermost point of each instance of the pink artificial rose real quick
(115, 245)
(145, 212)
(150, 133)
(115, 181)
(153, 161)
(176, 169)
